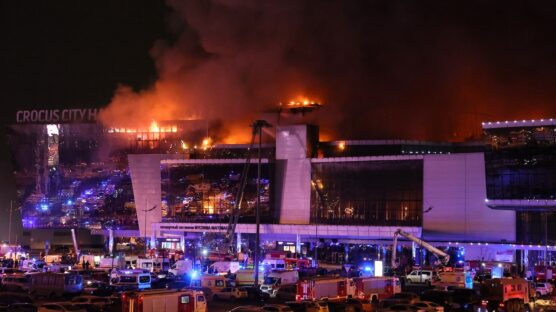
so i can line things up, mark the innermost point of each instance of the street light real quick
(258, 127)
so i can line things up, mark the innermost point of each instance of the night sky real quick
(384, 69)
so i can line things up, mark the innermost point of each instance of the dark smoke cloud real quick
(385, 69)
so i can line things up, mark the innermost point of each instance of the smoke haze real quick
(384, 69)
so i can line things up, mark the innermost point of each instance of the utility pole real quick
(258, 126)
(10, 223)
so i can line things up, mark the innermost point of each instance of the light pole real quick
(10, 223)
(258, 126)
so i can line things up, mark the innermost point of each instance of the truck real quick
(224, 266)
(246, 277)
(153, 264)
(112, 263)
(55, 284)
(449, 279)
(277, 278)
(376, 288)
(181, 268)
(212, 282)
(508, 294)
(164, 301)
(325, 288)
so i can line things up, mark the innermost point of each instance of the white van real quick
(181, 267)
(224, 267)
(132, 280)
(277, 278)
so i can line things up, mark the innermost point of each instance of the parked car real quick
(429, 306)
(98, 302)
(255, 293)
(16, 282)
(90, 286)
(441, 297)
(467, 299)
(543, 289)
(7, 299)
(21, 307)
(406, 296)
(276, 308)
(308, 306)
(229, 293)
(60, 306)
(248, 308)
(286, 292)
(403, 307)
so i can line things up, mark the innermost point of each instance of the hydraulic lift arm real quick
(441, 255)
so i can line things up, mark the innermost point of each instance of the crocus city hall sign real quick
(57, 115)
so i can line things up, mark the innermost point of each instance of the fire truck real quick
(322, 287)
(376, 288)
(506, 294)
(185, 300)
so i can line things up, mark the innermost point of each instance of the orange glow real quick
(342, 145)
(154, 127)
(184, 145)
(206, 143)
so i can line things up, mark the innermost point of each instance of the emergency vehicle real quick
(164, 301)
(322, 287)
(508, 294)
(447, 279)
(376, 288)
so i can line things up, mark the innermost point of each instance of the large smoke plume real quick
(385, 69)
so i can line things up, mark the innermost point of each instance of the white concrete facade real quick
(294, 172)
(453, 185)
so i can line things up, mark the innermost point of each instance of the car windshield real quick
(70, 307)
(270, 280)
(128, 279)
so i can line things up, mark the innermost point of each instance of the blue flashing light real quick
(194, 274)
(367, 269)
(44, 207)
(69, 202)
(460, 261)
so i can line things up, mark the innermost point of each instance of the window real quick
(367, 193)
(144, 279)
(184, 299)
(200, 298)
(219, 283)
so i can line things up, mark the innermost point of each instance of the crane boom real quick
(441, 255)
(234, 217)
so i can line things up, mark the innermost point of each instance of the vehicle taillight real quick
(297, 298)
(501, 305)
(484, 302)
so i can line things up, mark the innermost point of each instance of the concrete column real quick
(111, 241)
(182, 242)
(238, 242)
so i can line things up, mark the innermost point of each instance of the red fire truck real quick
(319, 288)
(505, 294)
(376, 288)
(185, 300)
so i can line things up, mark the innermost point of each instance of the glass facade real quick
(521, 163)
(76, 175)
(367, 193)
(207, 192)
